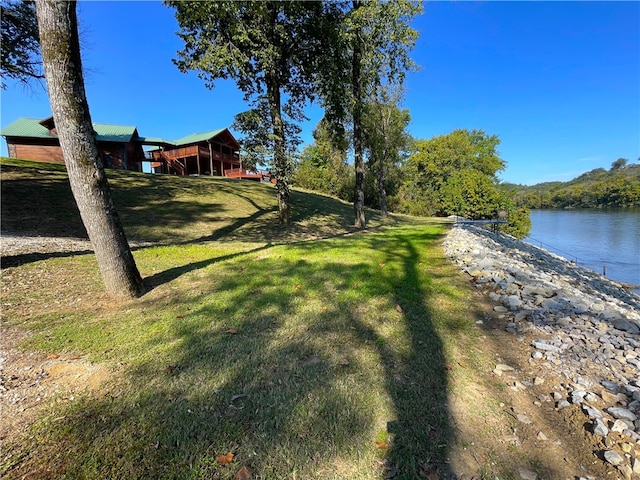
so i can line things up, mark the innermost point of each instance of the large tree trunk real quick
(58, 27)
(358, 141)
(280, 161)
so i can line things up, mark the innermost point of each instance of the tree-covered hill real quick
(598, 188)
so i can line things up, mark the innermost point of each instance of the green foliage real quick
(366, 45)
(456, 174)
(434, 162)
(323, 166)
(19, 45)
(619, 163)
(386, 141)
(598, 188)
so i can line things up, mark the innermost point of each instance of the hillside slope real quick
(37, 200)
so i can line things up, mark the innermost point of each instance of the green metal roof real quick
(113, 133)
(26, 127)
(30, 127)
(197, 137)
(153, 141)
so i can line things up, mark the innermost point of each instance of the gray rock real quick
(542, 345)
(621, 413)
(524, 419)
(586, 326)
(613, 457)
(527, 474)
(577, 396)
(502, 367)
(627, 326)
(592, 413)
(599, 428)
(611, 386)
(620, 426)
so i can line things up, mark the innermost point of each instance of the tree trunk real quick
(358, 141)
(58, 27)
(280, 161)
(382, 192)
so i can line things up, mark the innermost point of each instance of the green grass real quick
(294, 349)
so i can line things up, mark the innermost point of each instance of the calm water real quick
(597, 239)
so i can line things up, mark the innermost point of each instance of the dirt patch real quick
(30, 382)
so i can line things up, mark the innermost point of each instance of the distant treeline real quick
(599, 188)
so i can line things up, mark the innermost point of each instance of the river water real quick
(607, 241)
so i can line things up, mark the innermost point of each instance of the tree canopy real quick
(366, 44)
(385, 138)
(19, 44)
(322, 165)
(456, 174)
(269, 48)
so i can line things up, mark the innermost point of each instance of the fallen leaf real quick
(398, 309)
(171, 369)
(232, 331)
(381, 265)
(245, 473)
(344, 362)
(355, 285)
(297, 287)
(225, 459)
(53, 356)
(382, 445)
(179, 316)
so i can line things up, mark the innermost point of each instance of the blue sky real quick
(558, 82)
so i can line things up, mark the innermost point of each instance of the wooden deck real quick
(195, 160)
(245, 174)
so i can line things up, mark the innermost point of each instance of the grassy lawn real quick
(313, 352)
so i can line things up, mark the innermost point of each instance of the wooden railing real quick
(180, 167)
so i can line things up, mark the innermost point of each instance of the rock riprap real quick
(585, 329)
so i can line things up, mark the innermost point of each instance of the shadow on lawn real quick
(247, 375)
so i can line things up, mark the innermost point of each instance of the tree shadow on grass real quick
(291, 369)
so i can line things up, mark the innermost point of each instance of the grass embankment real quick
(314, 352)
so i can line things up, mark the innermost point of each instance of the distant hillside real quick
(599, 188)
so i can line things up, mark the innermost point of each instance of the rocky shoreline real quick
(585, 330)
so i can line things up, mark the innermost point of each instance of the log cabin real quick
(209, 153)
(215, 153)
(37, 140)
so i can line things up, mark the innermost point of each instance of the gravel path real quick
(12, 244)
(584, 328)
(16, 244)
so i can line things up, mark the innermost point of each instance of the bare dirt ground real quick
(510, 426)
